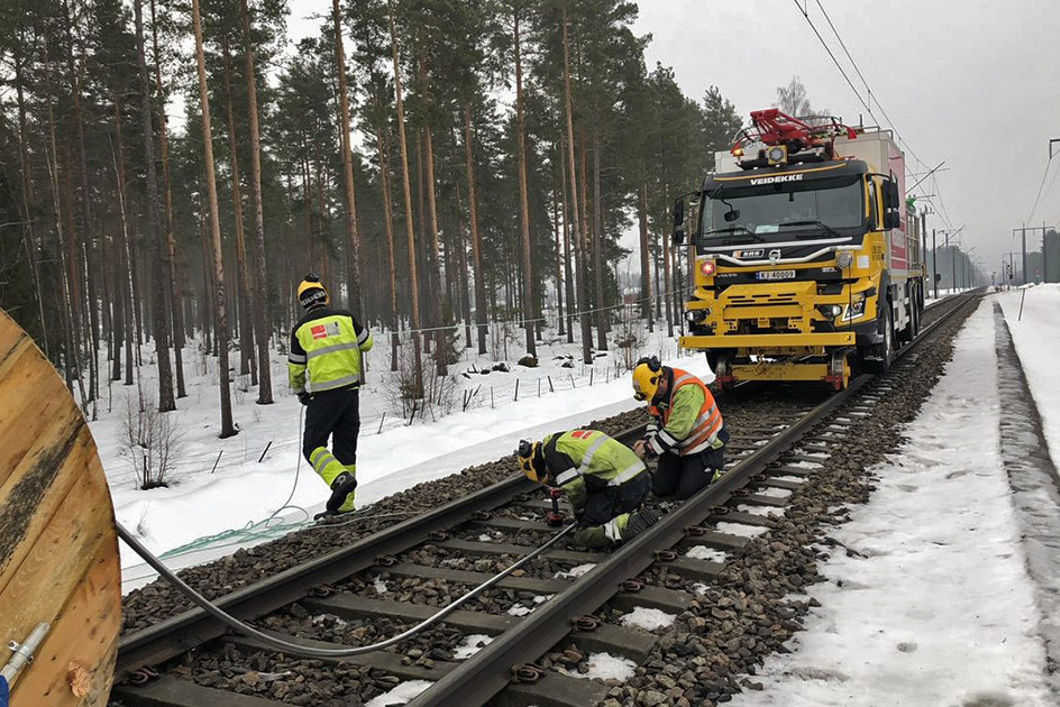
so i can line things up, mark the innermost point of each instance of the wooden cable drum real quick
(59, 560)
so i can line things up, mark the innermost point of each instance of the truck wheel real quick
(883, 352)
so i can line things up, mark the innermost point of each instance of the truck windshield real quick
(777, 211)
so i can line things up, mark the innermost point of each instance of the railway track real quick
(384, 583)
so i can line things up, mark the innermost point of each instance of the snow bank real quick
(1036, 337)
(940, 609)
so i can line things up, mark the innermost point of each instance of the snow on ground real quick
(605, 666)
(401, 694)
(574, 572)
(471, 645)
(1037, 336)
(747, 531)
(392, 455)
(647, 619)
(939, 608)
(702, 552)
(519, 610)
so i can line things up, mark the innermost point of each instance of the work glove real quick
(303, 397)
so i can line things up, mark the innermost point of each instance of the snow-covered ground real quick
(939, 608)
(1037, 335)
(392, 454)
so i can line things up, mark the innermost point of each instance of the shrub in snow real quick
(528, 362)
(151, 439)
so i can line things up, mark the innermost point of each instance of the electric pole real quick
(1023, 233)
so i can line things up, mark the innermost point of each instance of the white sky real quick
(961, 79)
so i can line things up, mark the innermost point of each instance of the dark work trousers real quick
(683, 476)
(611, 501)
(335, 414)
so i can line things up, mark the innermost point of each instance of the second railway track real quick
(541, 624)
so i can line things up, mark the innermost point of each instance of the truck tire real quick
(885, 351)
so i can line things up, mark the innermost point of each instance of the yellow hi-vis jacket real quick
(325, 351)
(690, 420)
(587, 461)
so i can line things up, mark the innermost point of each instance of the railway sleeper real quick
(552, 690)
(387, 661)
(167, 691)
(479, 549)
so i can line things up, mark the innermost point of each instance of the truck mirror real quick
(679, 221)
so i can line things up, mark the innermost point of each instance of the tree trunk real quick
(476, 243)
(558, 245)
(409, 229)
(462, 268)
(587, 356)
(246, 330)
(176, 306)
(154, 230)
(388, 228)
(645, 267)
(261, 298)
(567, 265)
(598, 237)
(524, 200)
(126, 273)
(440, 302)
(227, 428)
(353, 279)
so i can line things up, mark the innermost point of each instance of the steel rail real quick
(192, 628)
(487, 672)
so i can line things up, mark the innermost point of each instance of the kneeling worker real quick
(325, 368)
(603, 480)
(688, 433)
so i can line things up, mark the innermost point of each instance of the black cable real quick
(310, 651)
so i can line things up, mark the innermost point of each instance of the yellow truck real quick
(807, 260)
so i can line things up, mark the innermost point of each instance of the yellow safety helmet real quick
(311, 291)
(532, 461)
(646, 377)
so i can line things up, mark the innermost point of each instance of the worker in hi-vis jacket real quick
(326, 368)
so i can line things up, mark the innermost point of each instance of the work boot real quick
(638, 522)
(341, 487)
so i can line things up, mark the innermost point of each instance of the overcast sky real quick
(971, 82)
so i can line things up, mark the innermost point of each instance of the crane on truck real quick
(808, 264)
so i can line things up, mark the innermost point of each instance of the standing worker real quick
(326, 367)
(603, 480)
(687, 433)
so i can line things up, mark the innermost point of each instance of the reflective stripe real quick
(626, 474)
(587, 458)
(296, 358)
(666, 439)
(700, 422)
(568, 475)
(334, 347)
(656, 445)
(328, 385)
(363, 336)
(611, 530)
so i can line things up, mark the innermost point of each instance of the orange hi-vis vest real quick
(704, 430)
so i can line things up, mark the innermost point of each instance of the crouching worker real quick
(602, 479)
(325, 369)
(687, 432)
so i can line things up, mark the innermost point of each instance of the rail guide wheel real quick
(723, 372)
(60, 576)
(839, 370)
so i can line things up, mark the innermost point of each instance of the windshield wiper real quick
(810, 222)
(735, 229)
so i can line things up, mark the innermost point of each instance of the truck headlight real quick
(844, 259)
(708, 266)
(831, 311)
(695, 316)
(854, 311)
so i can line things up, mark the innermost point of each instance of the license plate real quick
(775, 275)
